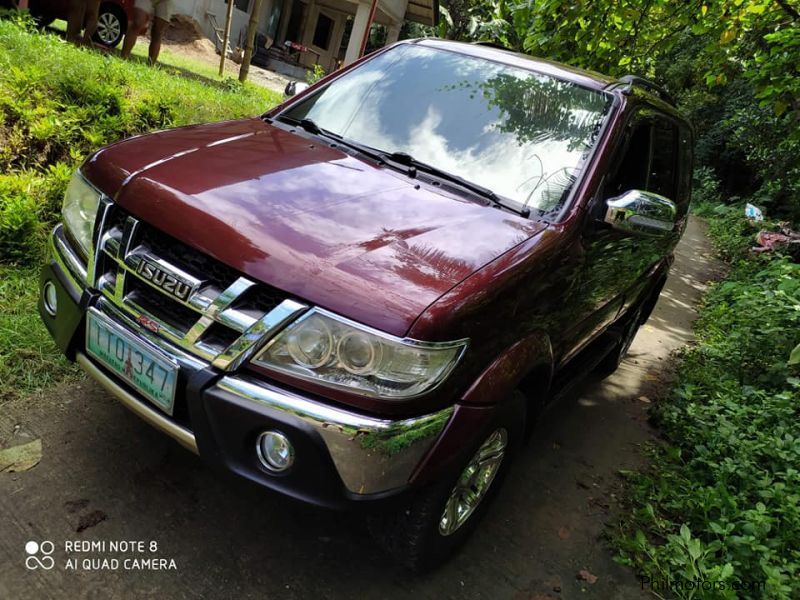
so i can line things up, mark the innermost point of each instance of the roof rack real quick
(632, 80)
(491, 44)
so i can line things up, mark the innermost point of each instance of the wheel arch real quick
(526, 365)
(121, 15)
(118, 10)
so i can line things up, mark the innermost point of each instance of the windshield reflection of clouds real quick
(521, 134)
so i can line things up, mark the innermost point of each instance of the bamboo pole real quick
(226, 38)
(252, 27)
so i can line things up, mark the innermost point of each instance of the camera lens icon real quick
(39, 555)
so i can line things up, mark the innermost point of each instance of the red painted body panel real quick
(340, 233)
(59, 9)
(380, 248)
(505, 373)
(466, 424)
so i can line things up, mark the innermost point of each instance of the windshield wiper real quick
(414, 165)
(411, 164)
(311, 127)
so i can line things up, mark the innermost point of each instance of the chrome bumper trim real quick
(150, 415)
(371, 455)
(67, 259)
(209, 308)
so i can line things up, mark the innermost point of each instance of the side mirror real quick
(641, 212)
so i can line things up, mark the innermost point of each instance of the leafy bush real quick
(705, 187)
(731, 234)
(721, 502)
(315, 74)
(59, 103)
(19, 225)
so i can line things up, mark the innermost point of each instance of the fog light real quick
(50, 298)
(275, 451)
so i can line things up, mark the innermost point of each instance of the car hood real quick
(307, 218)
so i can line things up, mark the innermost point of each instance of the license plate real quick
(144, 368)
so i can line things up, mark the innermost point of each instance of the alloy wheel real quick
(108, 28)
(474, 482)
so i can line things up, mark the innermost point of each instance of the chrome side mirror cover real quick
(640, 212)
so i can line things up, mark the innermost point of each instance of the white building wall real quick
(199, 9)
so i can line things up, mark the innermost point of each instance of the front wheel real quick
(111, 25)
(427, 531)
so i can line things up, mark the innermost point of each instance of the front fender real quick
(532, 353)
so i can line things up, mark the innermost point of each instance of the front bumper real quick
(342, 457)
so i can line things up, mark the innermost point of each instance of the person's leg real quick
(159, 25)
(77, 9)
(162, 14)
(135, 29)
(90, 20)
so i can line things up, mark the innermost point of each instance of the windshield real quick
(521, 134)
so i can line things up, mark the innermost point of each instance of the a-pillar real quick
(360, 23)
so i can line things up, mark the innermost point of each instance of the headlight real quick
(79, 211)
(334, 351)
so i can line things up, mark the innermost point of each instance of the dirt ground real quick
(106, 477)
(184, 37)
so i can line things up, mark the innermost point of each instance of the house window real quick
(243, 5)
(323, 31)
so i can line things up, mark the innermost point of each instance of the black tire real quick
(629, 327)
(413, 536)
(111, 25)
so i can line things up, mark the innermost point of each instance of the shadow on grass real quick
(227, 84)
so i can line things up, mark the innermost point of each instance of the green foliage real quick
(734, 67)
(315, 74)
(721, 501)
(731, 234)
(59, 103)
(19, 225)
(28, 360)
(20, 18)
(705, 187)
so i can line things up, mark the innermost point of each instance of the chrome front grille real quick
(203, 306)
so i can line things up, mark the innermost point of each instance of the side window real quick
(633, 168)
(650, 159)
(663, 177)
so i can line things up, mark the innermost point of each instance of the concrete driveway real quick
(105, 477)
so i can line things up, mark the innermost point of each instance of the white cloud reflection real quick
(409, 101)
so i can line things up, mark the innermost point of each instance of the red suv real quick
(365, 297)
(112, 21)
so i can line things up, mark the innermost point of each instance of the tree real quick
(739, 75)
(252, 28)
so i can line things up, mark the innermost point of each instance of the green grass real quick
(721, 501)
(28, 357)
(175, 63)
(59, 103)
